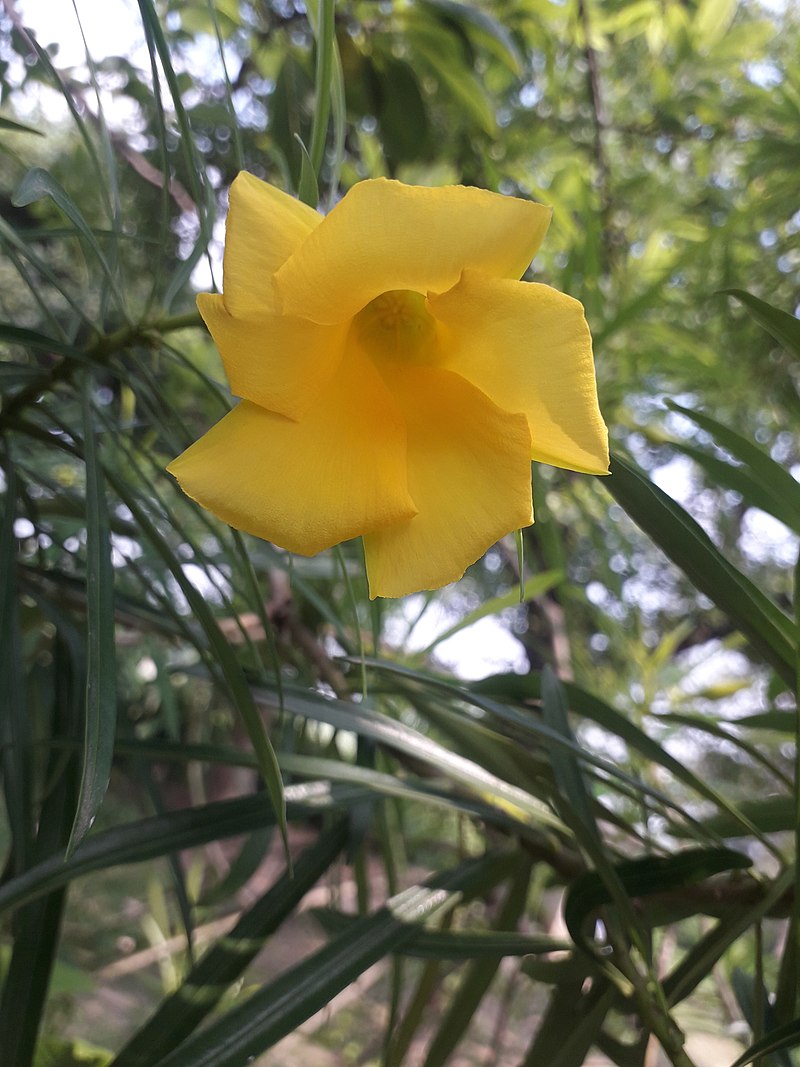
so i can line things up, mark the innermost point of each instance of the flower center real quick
(397, 325)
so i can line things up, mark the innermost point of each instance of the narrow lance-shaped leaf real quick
(785, 1037)
(699, 961)
(762, 482)
(222, 965)
(229, 665)
(455, 945)
(14, 723)
(19, 335)
(324, 33)
(37, 927)
(39, 183)
(522, 688)
(18, 127)
(478, 976)
(101, 694)
(645, 877)
(759, 1011)
(575, 804)
(282, 1005)
(307, 188)
(772, 634)
(161, 834)
(784, 327)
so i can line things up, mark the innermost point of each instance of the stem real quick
(652, 1008)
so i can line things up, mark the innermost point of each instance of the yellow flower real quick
(396, 377)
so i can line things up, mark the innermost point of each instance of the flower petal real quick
(278, 362)
(468, 474)
(385, 235)
(528, 347)
(264, 227)
(306, 485)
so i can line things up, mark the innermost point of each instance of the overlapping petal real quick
(338, 473)
(385, 235)
(396, 377)
(528, 347)
(468, 474)
(276, 361)
(264, 227)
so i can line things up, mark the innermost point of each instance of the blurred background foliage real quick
(427, 739)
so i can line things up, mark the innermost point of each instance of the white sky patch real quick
(482, 649)
(209, 581)
(114, 32)
(23, 528)
(677, 479)
(766, 540)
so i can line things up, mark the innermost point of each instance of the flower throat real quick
(398, 326)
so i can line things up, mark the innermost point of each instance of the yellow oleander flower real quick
(396, 377)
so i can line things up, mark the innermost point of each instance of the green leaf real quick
(699, 961)
(37, 926)
(18, 335)
(518, 723)
(396, 736)
(55, 1051)
(759, 1012)
(574, 803)
(646, 877)
(523, 688)
(18, 127)
(39, 183)
(772, 633)
(437, 52)
(223, 653)
(307, 189)
(785, 328)
(17, 374)
(282, 1005)
(571, 1023)
(14, 721)
(488, 25)
(479, 975)
(712, 20)
(780, 721)
(200, 992)
(784, 1037)
(771, 815)
(100, 722)
(762, 482)
(720, 731)
(326, 43)
(339, 115)
(454, 945)
(570, 782)
(159, 835)
(157, 45)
